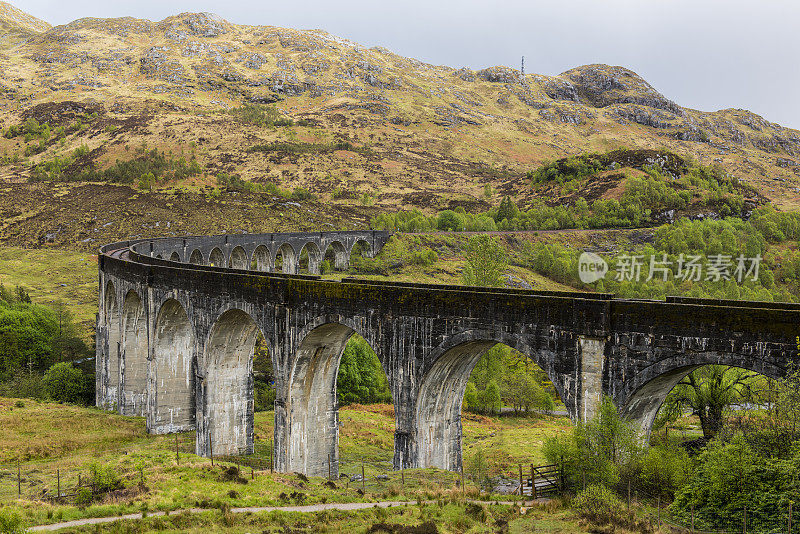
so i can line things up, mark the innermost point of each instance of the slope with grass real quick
(56, 443)
(352, 125)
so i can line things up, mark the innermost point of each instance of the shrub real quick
(605, 450)
(424, 257)
(23, 384)
(11, 523)
(264, 397)
(478, 469)
(104, 477)
(83, 497)
(65, 383)
(450, 221)
(598, 504)
(260, 115)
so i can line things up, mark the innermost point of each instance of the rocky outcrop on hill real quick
(492, 118)
(602, 86)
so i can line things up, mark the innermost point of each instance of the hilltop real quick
(361, 129)
(16, 26)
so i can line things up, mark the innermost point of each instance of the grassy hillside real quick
(356, 127)
(52, 276)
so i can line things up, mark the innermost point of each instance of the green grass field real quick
(60, 442)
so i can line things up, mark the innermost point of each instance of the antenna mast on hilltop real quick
(522, 70)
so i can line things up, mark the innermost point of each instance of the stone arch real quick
(172, 371)
(286, 258)
(310, 413)
(438, 407)
(159, 256)
(238, 259)
(440, 394)
(133, 356)
(228, 407)
(216, 258)
(196, 257)
(310, 258)
(112, 346)
(175, 256)
(361, 248)
(261, 259)
(337, 256)
(644, 393)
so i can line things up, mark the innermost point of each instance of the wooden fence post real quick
(211, 450)
(533, 484)
(271, 455)
(521, 491)
(658, 506)
(744, 521)
(403, 482)
(177, 458)
(363, 479)
(58, 477)
(629, 495)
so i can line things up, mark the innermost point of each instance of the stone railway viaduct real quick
(179, 318)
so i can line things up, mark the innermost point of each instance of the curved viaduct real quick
(179, 318)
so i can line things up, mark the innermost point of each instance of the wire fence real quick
(77, 478)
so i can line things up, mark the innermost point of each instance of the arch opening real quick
(360, 251)
(285, 260)
(175, 256)
(260, 261)
(335, 258)
(482, 376)
(216, 258)
(325, 374)
(310, 259)
(133, 357)
(701, 396)
(196, 258)
(229, 385)
(238, 259)
(173, 375)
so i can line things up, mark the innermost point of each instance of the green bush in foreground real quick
(600, 505)
(65, 383)
(10, 523)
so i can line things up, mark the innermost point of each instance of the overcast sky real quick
(703, 54)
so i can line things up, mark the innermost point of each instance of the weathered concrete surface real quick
(199, 324)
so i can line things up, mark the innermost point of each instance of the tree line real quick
(37, 347)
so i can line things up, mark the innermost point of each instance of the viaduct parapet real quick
(179, 319)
